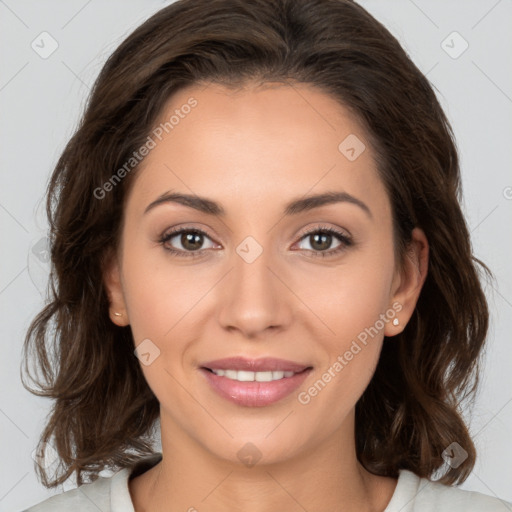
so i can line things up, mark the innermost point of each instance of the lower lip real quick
(255, 394)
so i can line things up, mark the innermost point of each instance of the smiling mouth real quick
(250, 376)
(260, 388)
(251, 382)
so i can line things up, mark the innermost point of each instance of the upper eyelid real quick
(170, 233)
(339, 231)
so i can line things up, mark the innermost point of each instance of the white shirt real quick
(412, 494)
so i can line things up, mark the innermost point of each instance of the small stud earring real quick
(118, 314)
(395, 321)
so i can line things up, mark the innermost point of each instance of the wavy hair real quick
(103, 411)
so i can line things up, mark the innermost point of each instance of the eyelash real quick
(345, 240)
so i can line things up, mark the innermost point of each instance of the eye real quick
(191, 241)
(321, 237)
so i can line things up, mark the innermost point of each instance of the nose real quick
(255, 298)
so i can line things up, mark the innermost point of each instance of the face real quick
(252, 277)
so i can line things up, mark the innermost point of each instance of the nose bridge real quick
(254, 298)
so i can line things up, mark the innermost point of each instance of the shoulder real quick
(415, 494)
(89, 497)
(106, 493)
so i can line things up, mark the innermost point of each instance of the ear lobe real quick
(410, 281)
(113, 286)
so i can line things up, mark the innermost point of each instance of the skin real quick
(253, 150)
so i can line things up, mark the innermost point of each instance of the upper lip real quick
(255, 365)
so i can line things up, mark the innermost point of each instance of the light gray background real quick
(40, 102)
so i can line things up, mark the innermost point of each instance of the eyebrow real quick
(294, 207)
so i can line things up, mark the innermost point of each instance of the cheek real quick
(351, 297)
(158, 293)
(149, 303)
(352, 346)
(352, 305)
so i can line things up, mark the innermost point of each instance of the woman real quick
(257, 241)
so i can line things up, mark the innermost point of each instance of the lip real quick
(254, 394)
(255, 365)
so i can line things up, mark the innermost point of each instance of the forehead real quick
(258, 145)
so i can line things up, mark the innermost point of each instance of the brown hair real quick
(411, 411)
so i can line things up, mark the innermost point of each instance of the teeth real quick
(245, 376)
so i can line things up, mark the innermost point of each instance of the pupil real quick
(325, 236)
(189, 239)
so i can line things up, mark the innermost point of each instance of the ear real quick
(408, 282)
(113, 285)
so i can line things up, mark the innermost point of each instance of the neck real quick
(326, 477)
